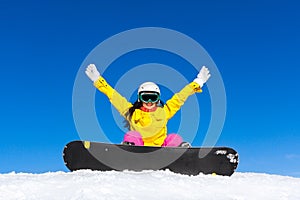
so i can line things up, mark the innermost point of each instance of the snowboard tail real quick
(191, 161)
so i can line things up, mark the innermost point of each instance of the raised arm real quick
(178, 99)
(117, 100)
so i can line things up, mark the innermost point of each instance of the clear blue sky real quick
(255, 45)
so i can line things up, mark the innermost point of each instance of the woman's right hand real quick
(92, 72)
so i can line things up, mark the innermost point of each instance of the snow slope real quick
(146, 185)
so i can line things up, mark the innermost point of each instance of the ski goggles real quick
(148, 97)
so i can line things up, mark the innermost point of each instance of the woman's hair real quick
(136, 105)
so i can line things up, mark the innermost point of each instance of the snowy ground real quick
(146, 185)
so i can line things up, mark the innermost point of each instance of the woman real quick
(147, 118)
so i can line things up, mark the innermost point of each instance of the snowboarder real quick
(147, 117)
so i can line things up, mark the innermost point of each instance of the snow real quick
(147, 185)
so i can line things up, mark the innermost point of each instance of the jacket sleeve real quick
(178, 99)
(117, 100)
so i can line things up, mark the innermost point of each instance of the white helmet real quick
(148, 87)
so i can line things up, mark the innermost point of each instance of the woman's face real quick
(149, 99)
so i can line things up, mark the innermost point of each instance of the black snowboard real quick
(192, 161)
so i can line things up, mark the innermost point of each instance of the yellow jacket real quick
(151, 125)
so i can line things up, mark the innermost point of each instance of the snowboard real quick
(190, 161)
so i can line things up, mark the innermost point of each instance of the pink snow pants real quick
(172, 140)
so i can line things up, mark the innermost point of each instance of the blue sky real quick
(255, 46)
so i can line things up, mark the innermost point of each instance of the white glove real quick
(92, 72)
(203, 76)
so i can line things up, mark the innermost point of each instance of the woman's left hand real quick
(203, 76)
